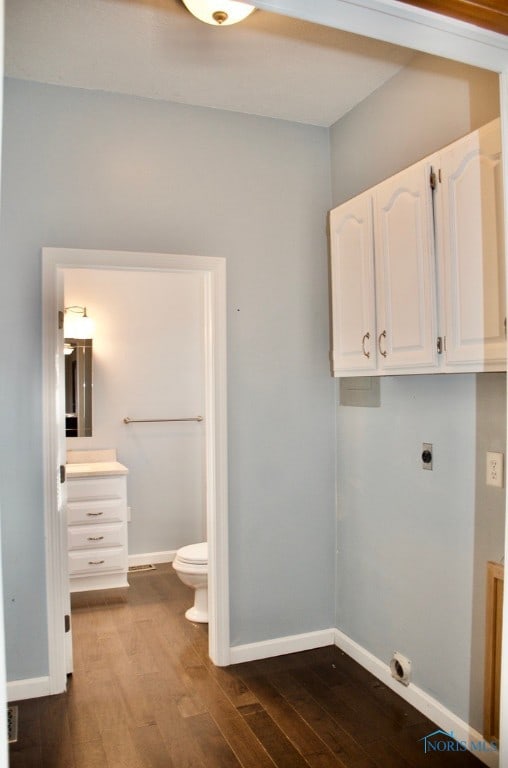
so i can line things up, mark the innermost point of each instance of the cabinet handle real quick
(381, 336)
(95, 538)
(94, 514)
(365, 336)
(95, 562)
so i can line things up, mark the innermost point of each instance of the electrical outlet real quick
(495, 469)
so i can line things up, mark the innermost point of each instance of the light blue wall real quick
(95, 170)
(412, 547)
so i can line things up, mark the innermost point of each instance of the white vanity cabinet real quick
(97, 525)
(417, 267)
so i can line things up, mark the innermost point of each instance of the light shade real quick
(219, 13)
(77, 324)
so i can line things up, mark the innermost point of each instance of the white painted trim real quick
(404, 25)
(423, 702)
(152, 558)
(279, 646)
(213, 269)
(503, 719)
(31, 688)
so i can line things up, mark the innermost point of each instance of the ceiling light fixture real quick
(219, 13)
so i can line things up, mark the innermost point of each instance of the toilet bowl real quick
(191, 565)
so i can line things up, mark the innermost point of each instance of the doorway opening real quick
(56, 263)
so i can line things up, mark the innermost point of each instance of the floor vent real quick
(141, 568)
(12, 724)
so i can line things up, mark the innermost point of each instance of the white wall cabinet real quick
(418, 267)
(97, 525)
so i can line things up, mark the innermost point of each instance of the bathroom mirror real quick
(78, 387)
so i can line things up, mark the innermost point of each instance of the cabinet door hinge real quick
(67, 623)
(435, 178)
(60, 319)
(62, 473)
(439, 345)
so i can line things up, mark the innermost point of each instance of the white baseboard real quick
(33, 688)
(422, 701)
(281, 645)
(152, 558)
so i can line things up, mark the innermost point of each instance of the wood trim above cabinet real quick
(486, 14)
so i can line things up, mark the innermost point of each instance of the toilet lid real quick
(194, 553)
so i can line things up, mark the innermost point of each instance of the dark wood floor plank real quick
(385, 756)
(90, 754)
(214, 750)
(56, 741)
(81, 711)
(151, 747)
(280, 749)
(299, 733)
(329, 729)
(178, 735)
(233, 727)
(119, 748)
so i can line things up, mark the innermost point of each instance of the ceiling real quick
(268, 65)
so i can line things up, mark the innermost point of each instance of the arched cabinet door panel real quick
(405, 271)
(469, 214)
(353, 291)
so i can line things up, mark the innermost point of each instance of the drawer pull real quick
(95, 538)
(94, 514)
(95, 562)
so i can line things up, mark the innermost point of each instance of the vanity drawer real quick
(90, 536)
(103, 510)
(97, 561)
(96, 488)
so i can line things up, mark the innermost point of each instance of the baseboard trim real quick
(281, 645)
(31, 688)
(152, 558)
(418, 698)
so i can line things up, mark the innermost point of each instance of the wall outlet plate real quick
(495, 469)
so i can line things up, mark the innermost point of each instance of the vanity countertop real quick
(95, 468)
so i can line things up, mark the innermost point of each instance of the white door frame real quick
(213, 269)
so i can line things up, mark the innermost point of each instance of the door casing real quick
(213, 270)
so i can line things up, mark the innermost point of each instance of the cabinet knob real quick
(94, 514)
(95, 562)
(382, 335)
(365, 336)
(95, 538)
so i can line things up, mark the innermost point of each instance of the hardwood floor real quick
(145, 695)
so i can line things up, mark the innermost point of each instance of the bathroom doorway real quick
(203, 279)
(148, 365)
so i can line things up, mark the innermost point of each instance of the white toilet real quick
(191, 565)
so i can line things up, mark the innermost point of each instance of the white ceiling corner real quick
(268, 65)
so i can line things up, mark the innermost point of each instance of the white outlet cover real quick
(495, 469)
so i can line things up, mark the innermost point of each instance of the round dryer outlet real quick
(400, 668)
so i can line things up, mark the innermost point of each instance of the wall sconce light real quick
(219, 13)
(77, 324)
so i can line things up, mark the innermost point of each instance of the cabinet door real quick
(405, 271)
(472, 248)
(353, 298)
